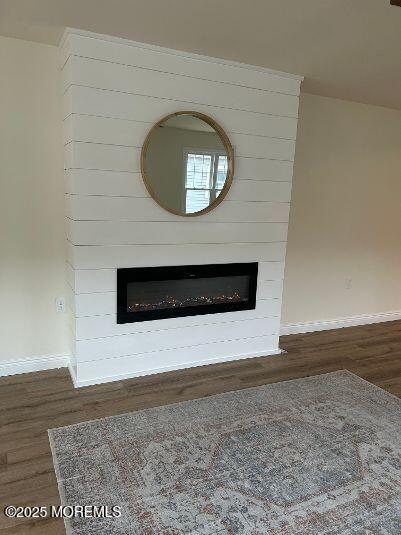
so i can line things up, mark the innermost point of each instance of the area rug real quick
(320, 455)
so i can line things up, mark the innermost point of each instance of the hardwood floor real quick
(32, 403)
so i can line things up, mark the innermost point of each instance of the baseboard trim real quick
(50, 362)
(339, 323)
(33, 364)
(96, 381)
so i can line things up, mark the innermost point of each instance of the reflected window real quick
(205, 175)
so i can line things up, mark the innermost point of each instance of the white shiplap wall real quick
(114, 90)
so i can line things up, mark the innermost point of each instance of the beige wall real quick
(32, 240)
(345, 217)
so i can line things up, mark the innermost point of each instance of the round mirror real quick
(187, 163)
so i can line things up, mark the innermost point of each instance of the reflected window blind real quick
(205, 174)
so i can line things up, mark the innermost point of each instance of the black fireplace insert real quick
(151, 293)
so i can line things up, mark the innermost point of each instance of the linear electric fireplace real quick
(145, 294)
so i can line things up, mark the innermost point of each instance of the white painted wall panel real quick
(143, 342)
(134, 54)
(170, 359)
(115, 91)
(150, 232)
(99, 208)
(130, 134)
(262, 169)
(83, 155)
(92, 304)
(263, 190)
(108, 183)
(122, 159)
(126, 184)
(105, 325)
(124, 78)
(131, 344)
(132, 107)
(104, 280)
(98, 257)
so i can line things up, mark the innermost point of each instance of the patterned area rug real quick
(320, 455)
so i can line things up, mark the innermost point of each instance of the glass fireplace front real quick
(165, 292)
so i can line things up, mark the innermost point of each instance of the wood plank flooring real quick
(32, 403)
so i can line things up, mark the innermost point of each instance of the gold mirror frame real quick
(230, 162)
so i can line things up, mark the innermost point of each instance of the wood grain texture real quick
(33, 403)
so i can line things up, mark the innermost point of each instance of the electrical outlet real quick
(60, 304)
(348, 284)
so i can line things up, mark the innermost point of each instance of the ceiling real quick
(348, 49)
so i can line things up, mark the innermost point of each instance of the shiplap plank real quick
(108, 183)
(98, 73)
(93, 208)
(260, 169)
(95, 280)
(104, 157)
(126, 184)
(250, 146)
(88, 327)
(126, 159)
(157, 361)
(83, 128)
(263, 190)
(105, 280)
(106, 303)
(143, 342)
(84, 155)
(139, 232)
(98, 257)
(142, 108)
(106, 130)
(176, 62)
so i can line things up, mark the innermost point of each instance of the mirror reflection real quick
(187, 163)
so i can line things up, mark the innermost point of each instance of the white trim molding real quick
(193, 364)
(339, 323)
(33, 364)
